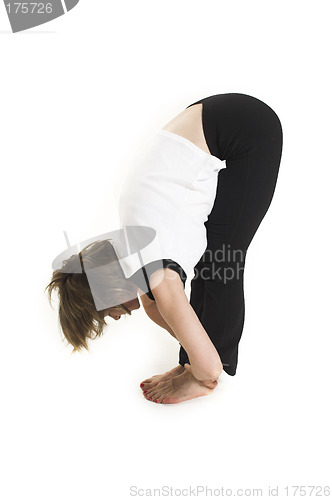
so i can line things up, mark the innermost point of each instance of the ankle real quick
(177, 369)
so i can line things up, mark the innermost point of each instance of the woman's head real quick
(78, 316)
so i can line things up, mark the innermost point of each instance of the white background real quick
(80, 97)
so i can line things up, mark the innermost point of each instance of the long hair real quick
(79, 318)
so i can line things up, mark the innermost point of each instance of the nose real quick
(115, 317)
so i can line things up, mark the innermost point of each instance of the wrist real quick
(200, 376)
(210, 383)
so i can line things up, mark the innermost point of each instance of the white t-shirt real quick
(170, 193)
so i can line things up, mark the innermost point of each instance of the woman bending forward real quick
(203, 186)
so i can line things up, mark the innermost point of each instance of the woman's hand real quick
(207, 382)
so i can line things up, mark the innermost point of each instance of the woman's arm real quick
(152, 311)
(173, 305)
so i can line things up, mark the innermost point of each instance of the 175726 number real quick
(29, 8)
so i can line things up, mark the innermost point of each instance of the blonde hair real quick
(78, 316)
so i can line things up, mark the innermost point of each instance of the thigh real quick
(249, 138)
(248, 135)
(244, 193)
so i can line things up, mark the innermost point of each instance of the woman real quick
(204, 186)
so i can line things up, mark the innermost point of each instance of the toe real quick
(146, 386)
(159, 394)
(151, 390)
(152, 395)
(147, 381)
(147, 395)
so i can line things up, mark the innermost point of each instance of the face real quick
(117, 313)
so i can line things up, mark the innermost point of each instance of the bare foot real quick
(153, 381)
(177, 389)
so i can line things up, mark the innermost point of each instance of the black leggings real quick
(246, 133)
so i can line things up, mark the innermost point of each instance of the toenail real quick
(155, 400)
(144, 392)
(142, 385)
